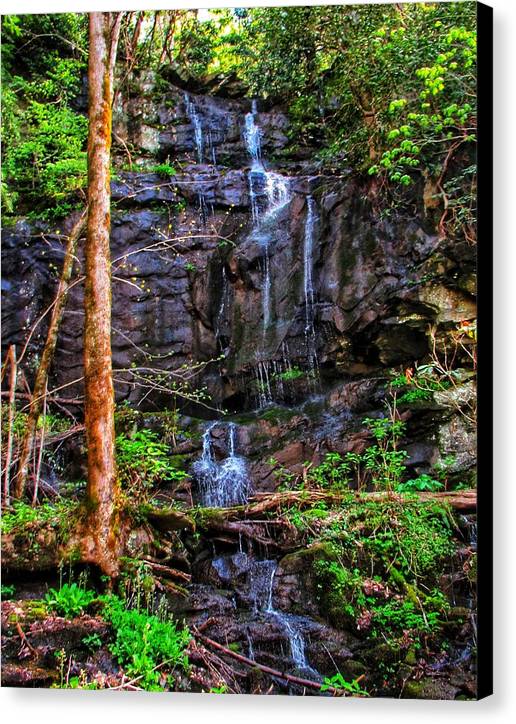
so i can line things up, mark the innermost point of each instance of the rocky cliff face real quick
(278, 298)
(295, 296)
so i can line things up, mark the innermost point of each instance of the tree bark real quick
(101, 540)
(12, 363)
(40, 384)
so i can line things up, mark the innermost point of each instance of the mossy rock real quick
(27, 610)
(277, 415)
(208, 518)
(384, 653)
(303, 559)
(429, 688)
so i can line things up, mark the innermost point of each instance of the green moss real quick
(298, 561)
(277, 415)
(207, 518)
(30, 610)
(25, 520)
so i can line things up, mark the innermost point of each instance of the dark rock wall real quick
(188, 275)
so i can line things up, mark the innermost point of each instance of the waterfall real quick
(225, 483)
(263, 383)
(252, 135)
(308, 285)
(252, 138)
(261, 583)
(202, 206)
(200, 142)
(268, 192)
(219, 320)
(261, 575)
(308, 288)
(250, 649)
(205, 469)
(192, 114)
(211, 148)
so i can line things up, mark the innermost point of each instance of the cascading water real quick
(219, 320)
(261, 583)
(308, 286)
(308, 250)
(205, 469)
(191, 112)
(252, 134)
(269, 193)
(224, 483)
(200, 143)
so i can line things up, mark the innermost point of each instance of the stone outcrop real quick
(188, 285)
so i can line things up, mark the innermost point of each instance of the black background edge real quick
(485, 350)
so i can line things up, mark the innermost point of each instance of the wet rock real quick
(429, 688)
(203, 601)
(451, 305)
(458, 444)
(26, 675)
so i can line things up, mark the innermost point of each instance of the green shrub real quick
(164, 170)
(143, 461)
(7, 591)
(339, 682)
(70, 600)
(422, 483)
(144, 643)
(20, 516)
(333, 472)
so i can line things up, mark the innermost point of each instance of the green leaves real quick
(422, 483)
(143, 644)
(44, 137)
(142, 461)
(338, 682)
(70, 600)
(397, 105)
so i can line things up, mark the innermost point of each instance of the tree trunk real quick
(12, 364)
(40, 384)
(101, 541)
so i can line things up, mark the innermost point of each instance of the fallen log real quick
(463, 501)
(216, 519)
(300, 681)
(169, 519)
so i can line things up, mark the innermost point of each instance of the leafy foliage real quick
(70, 600)
(143, 643)
(143, 460)
(422, 483)
(44, 136)
(7, 591)
(381, 568)
(21, 516)
(338, 682)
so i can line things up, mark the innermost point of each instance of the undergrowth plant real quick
(69, 600)
(144, 645)
(339, 682)
(143, 461)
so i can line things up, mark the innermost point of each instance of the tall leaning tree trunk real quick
(101, 540)
(40, 383)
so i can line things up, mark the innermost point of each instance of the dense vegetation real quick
(387, 90)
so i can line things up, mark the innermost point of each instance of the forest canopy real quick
(388, 90)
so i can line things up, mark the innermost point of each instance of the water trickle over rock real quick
(221, 483)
